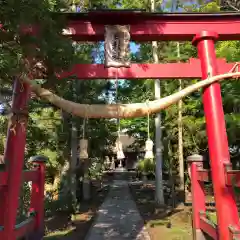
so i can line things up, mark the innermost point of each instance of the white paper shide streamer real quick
(119, 149)
(83, 153)
(149, 142)
(149, 149)
(83, 149)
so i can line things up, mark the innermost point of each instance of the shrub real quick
(147, 167)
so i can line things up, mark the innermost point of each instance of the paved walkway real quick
(118, 217)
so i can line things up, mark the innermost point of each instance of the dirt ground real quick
(60, 227)
(162, 223)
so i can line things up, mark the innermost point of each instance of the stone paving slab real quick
(118, 217)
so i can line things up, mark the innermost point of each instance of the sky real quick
(134, 47)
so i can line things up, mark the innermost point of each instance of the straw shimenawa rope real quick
(123, 110)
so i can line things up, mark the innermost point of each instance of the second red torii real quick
(189, 70)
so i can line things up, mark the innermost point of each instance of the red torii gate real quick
(203, 30)
(147, 26)
(189, 70)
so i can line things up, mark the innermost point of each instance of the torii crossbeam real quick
(189, 70)
(147, 26)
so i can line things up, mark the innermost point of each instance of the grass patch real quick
(58, 234)
(174, 224)
(212, 217)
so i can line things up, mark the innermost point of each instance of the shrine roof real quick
(146, 26)
(136, 15)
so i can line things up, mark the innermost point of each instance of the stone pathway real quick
(118, 217)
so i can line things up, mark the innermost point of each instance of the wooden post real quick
(37, 196)
(198, 195)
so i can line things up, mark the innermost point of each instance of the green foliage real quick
(146, 166)
(49, 44)
(24, 203)
(96, 169)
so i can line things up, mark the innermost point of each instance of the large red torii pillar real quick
(226, 207)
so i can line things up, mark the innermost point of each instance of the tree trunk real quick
(86, 181)
(55, 185)
(159, 197)
(64, 191)
(172, 184)
(180, 140)
(64, 171)
(73, 162)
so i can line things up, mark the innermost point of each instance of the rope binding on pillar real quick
(18, 116)
(235, 68)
